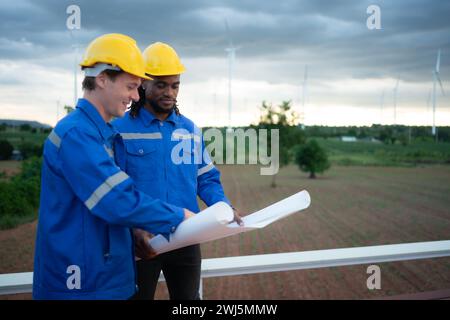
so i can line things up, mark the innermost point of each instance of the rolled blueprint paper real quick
(197, 229)
(216, 222)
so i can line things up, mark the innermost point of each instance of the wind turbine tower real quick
(231, 59)
(436, 77)
(75, 67)
(395, 101)
(304, 90)
(381, 107)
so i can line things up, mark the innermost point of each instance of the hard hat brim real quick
(144, 76)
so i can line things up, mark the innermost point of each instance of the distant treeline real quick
(25, 127)
(389, 134)
(18, 123)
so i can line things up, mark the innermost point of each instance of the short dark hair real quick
(88, 83)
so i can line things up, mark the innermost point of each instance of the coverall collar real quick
(147, 117)
(105, 128)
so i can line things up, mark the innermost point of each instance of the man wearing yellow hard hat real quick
(84, 245)
(152, 130)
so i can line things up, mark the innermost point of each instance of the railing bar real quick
(22, 282)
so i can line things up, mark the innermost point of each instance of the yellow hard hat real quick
(117, 50)
(162, 60)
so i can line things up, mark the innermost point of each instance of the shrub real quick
(6, 150)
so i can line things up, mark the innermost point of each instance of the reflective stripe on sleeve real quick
(133, 136)
(205, 169)
(104, 188)
(109, 151)
(54, 138)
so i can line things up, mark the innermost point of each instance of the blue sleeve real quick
(209, 188)
(107, 191)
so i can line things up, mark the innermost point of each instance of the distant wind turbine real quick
(304, 89)
(381, 106)
(428, 100)
(395, 101)
(436, 77)
(231, 59)
(75, 67)
(57, 111)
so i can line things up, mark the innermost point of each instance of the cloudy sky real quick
(352, 70)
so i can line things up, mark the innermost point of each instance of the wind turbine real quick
(304, 88)
(395, 100)
(75, 67)
(381, 107)
(428, 100)
(231, 58)
(436, 77)
(57, 111)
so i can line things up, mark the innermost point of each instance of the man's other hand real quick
(143, 249)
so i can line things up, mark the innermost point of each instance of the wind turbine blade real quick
(440, 83)
(438, 61)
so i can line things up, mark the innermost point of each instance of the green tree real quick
(387, 135)
(28, 182)
(19, 197)
(29, 149)
(68, 109)
(311, 158)
(25, 127)
(352, 132)
(283, 119)
(6, 150)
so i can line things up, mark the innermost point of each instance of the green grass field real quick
(379, 154)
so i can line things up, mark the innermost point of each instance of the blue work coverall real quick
(84, 245)
(167, 160)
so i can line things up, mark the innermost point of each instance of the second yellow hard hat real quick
(162, 60)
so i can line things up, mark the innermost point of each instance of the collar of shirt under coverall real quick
(147, 117)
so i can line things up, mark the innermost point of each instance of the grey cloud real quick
(330, 36)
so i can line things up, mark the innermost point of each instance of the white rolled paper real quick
(215, 222)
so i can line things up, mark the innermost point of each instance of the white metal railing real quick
(218, 267)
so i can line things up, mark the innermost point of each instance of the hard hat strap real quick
(99, 68)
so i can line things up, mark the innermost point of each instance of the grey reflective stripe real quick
(181, 136)
(132, 136)
(54, 138)
(205, 169)
(104, 188)
(109, 151)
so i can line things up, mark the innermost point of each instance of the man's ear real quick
(147, 85)
(101, 80)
